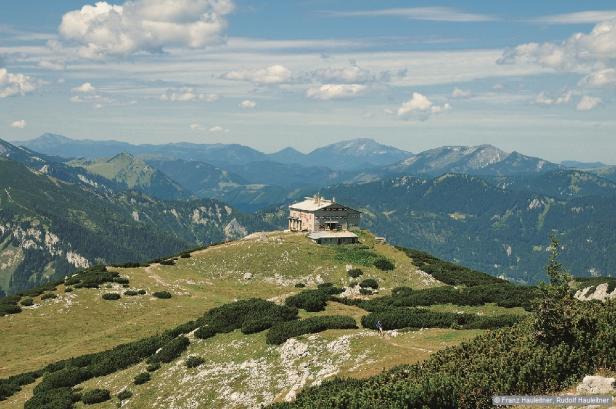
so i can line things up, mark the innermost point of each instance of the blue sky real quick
(536, 77)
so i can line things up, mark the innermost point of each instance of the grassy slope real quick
(81, 322)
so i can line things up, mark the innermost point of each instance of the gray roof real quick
(311, 204)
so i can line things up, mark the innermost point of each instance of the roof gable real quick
(312, 205)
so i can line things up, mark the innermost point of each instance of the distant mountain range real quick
(353, 154)
(481, 206)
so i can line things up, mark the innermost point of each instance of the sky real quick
(538, 77)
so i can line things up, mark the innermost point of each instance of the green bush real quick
(256, 325)
(369, 283)
(48, 296)
(449, 273)
(313, 300)
(93, 396)
(61, 398)
(395, 318)
(205, 332)
(229, 317)
(27, 302)
(153, 367)
(170, 262)
(365, 291)
(13, 384)
(282, 331)
(121, 280)
(355, 272)
(185, 255)
(384, 264)
(124, 395)
(162, 294)
(194, 361)
(142, 292)
(142, 378)
(504, 295)
(68, 289)
(171, 350)
(131, 293)
(300, 285)
(111, 296)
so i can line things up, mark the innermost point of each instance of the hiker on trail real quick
(379, 326)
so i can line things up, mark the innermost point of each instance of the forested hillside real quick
(49, 227)
(500, 231)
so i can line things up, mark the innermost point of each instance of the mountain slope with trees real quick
(49, 227)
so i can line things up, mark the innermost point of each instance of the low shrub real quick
(48, 296)
(185, 255)
(365, 291)
(313, 300)
(355, 272)
(121, 280)
(449, 273)
(153, 367)
(93, 396)
(61, 398)
(13, 384)
(111, 296)
(141, 292)
(171, 350)
(167, 262)
(205, 332)
(194, 361)
(369, 283)
(384, 264)
(68, 289)
(142, 378)
(124, 395)
(300, 285)
(282, 331)
(162, 294)
(229, 317)
(256, 325)
(8, 305)
(396, 318)
(131, 293)
(27, 302)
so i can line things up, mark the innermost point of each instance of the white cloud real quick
(543, 99)
(600, 78)
(420, 107)
(217, 129)
(145, 25)
(54, 65)
(187, 95)
(85, 88)
(248, 104)
(15, 84)
(274, 74)
(195, 127)
(20, 124)
(418, 13)
(461, 93)
(352, 74)
(335, 91)
(580, 17)
(587, 103)
(580, 52)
